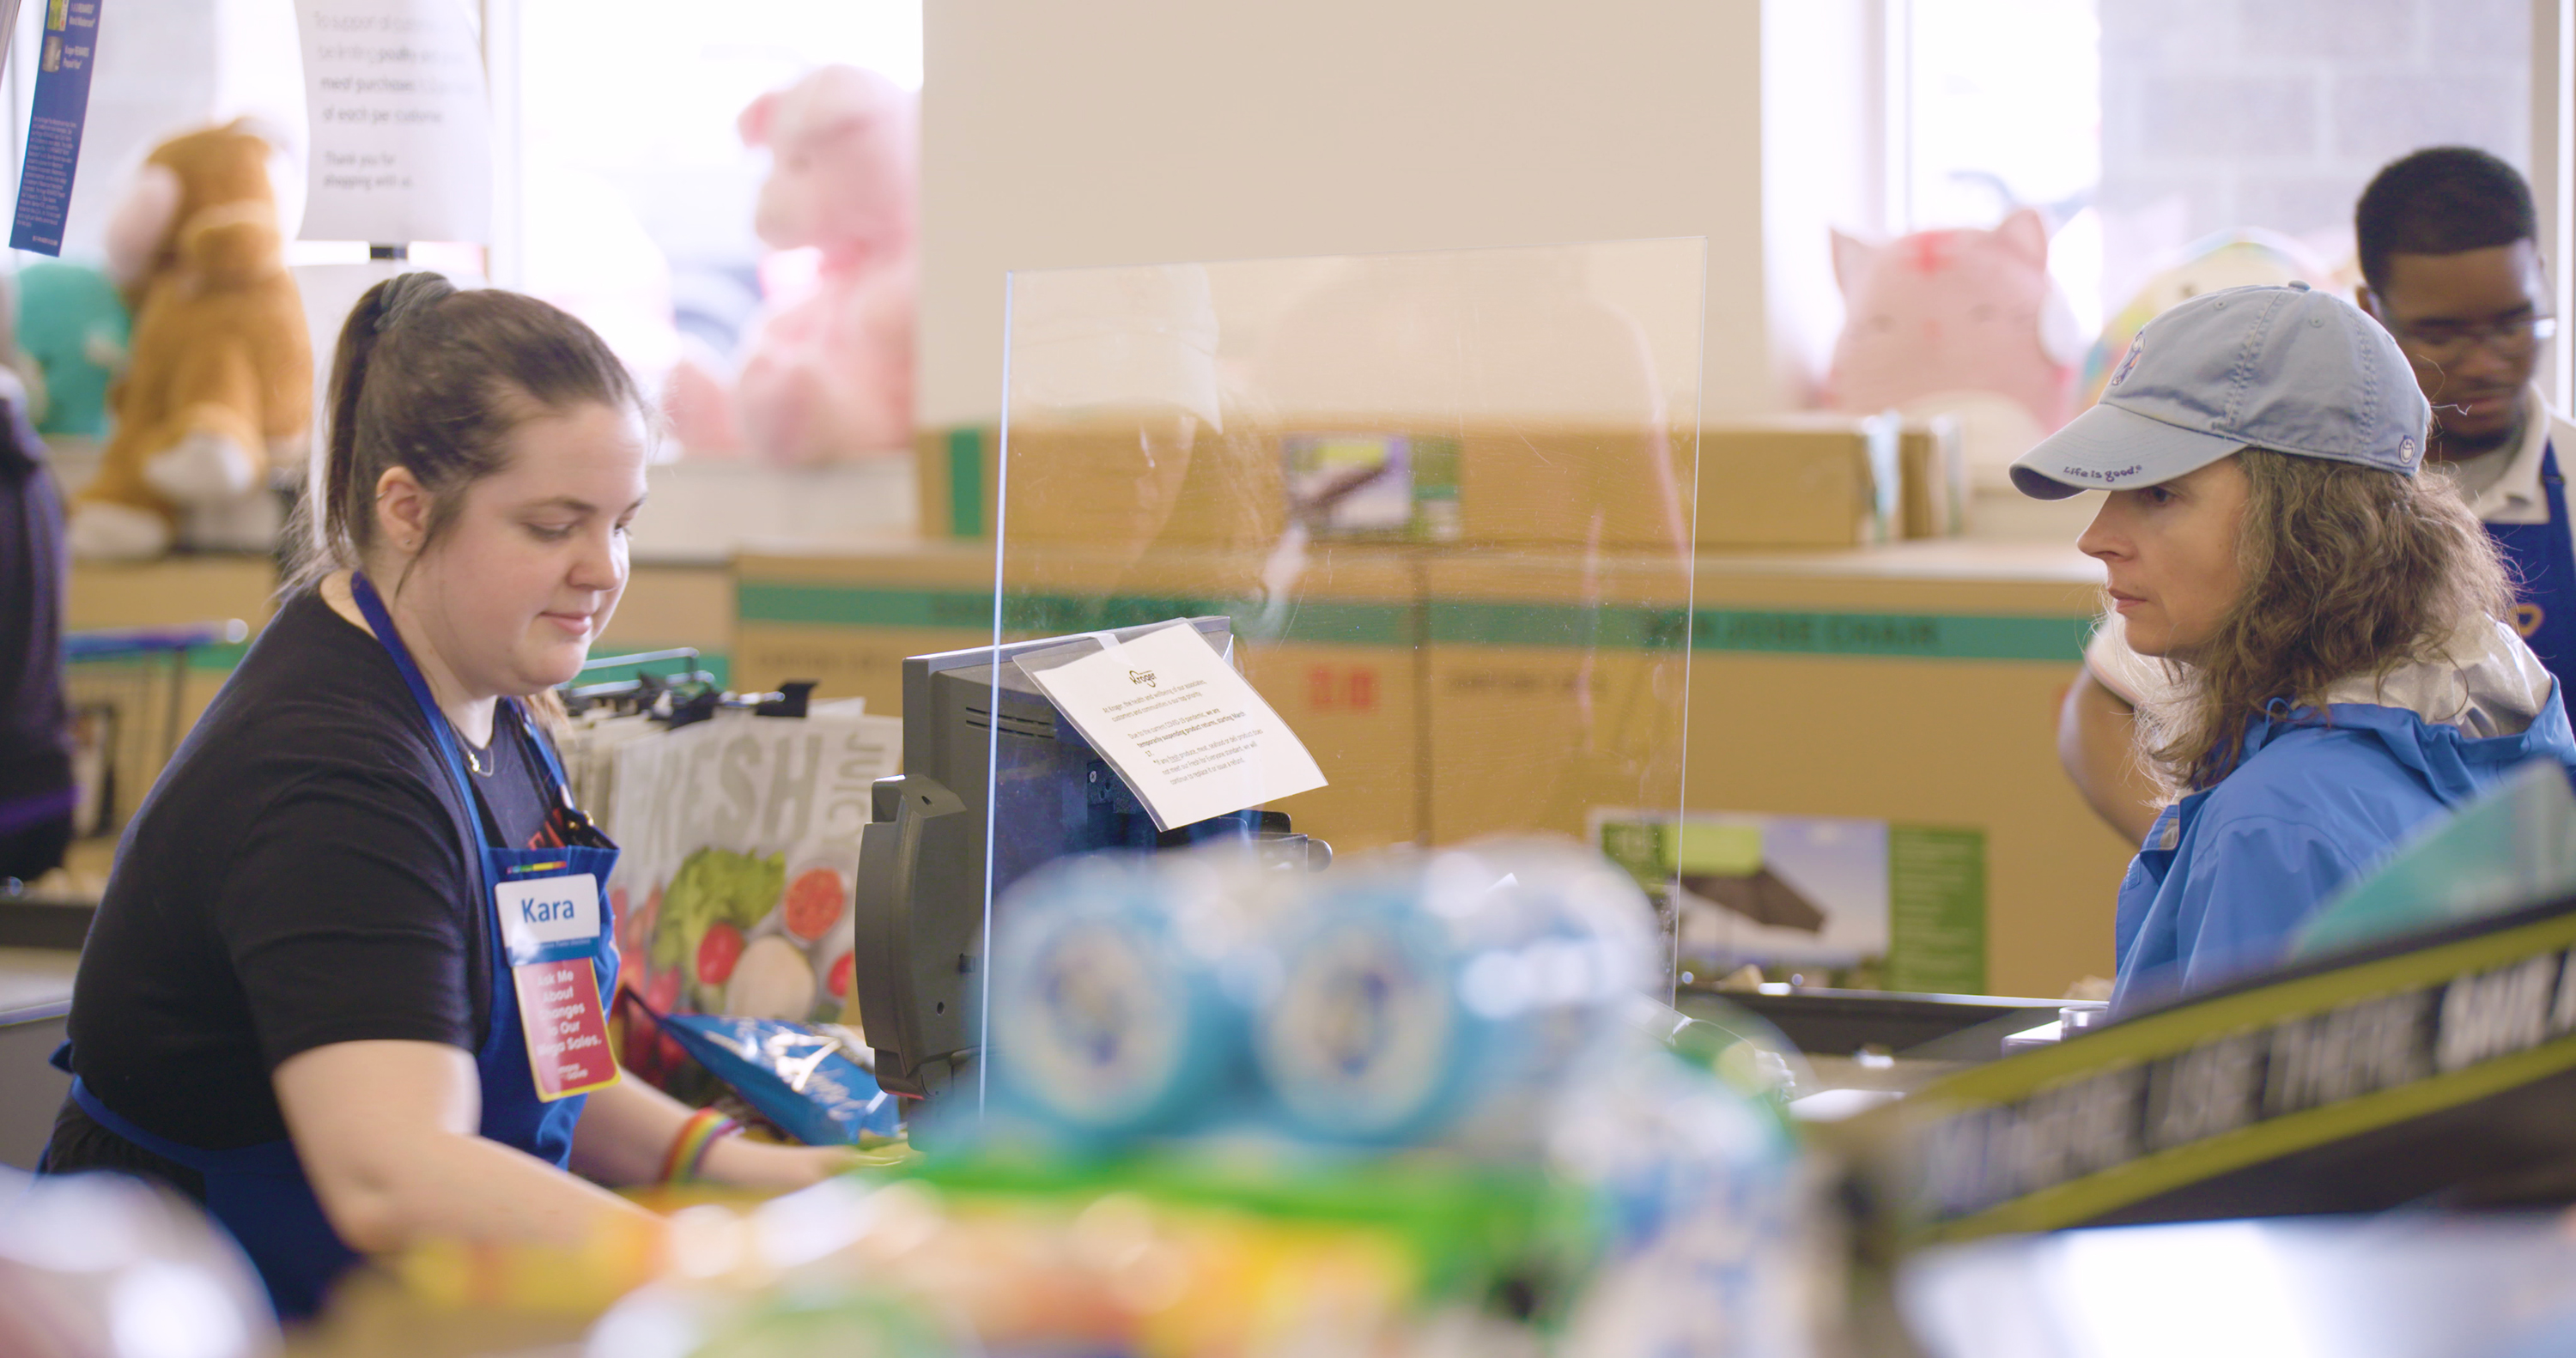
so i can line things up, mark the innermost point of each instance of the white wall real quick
(1140, 131)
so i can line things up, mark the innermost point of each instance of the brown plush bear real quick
(219, 391)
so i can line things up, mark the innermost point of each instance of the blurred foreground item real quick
(2411, 1287)
(2433, 1069)
(103, 1266)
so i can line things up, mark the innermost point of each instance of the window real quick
(637, 192)
(2138, 126)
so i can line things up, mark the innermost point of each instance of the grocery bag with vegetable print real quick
(741, 837)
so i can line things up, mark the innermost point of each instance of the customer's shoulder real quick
(2319, 774)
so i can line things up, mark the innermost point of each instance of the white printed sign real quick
(1187, 734)
(401, 130)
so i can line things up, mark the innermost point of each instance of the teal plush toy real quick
(74, 328)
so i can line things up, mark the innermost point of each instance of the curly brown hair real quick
(2349, 572)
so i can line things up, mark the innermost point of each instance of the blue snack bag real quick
(797, 1075)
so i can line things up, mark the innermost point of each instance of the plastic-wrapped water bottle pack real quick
(1449, 997)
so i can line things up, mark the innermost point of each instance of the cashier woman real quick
(2332, 623)
(345, 983)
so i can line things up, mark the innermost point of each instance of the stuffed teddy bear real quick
(1962, 322)
(827, 368)
(219, 391)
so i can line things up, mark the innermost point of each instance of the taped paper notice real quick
(402, 133)
(1186, 733)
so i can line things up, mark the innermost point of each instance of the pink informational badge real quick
(552, 928)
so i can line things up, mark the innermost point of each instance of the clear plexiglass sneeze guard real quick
(1433, 509)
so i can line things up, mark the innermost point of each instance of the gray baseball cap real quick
(2286, 368)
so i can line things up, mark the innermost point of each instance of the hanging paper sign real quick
(401, 129)
(54, 121)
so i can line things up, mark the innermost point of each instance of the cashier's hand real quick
(742, 1163)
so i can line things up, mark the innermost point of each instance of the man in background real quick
(2450, 261)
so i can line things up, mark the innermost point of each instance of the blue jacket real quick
(2316, 800)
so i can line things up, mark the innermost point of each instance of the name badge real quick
(551, 928)
(549, 918)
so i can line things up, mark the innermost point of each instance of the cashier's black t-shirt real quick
(303, 874)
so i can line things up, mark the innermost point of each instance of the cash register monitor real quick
(919, 959)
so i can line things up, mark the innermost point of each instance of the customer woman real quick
(345, 983)
(2329, 617)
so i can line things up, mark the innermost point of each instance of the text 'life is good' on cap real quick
(2286, 368)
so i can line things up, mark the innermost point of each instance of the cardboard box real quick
(664, 606)
(847, 622)
(1798, 481)
(1932, 476)
(953, 481)
(1336, 658)
(1915, 685)
(1556, 686)
(1521, 484)
(668, 605)
(1810, 480)
(199, 587)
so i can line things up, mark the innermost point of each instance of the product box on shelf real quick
(1918, 685)
(1346, 478)
(1554, 683)
(1808, 480)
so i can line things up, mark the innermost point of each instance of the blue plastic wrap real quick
(796, 1075)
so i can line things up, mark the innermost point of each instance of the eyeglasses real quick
(2451, 341)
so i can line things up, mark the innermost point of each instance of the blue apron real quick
(259, 1192)
(2542, 557)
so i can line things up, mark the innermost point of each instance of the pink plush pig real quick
(827, 370)
(1939, 314)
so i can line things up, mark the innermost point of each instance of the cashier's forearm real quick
(467, 1186)
(387, 1134)
(626, 1132)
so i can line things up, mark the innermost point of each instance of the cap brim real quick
(2108, 448)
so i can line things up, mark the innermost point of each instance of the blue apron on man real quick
(2542, 559)
(539, 1058)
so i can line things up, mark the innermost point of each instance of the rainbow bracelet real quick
(688, 1153)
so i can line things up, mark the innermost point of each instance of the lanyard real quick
(372, 606)
(547, 909)
(577, 827)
